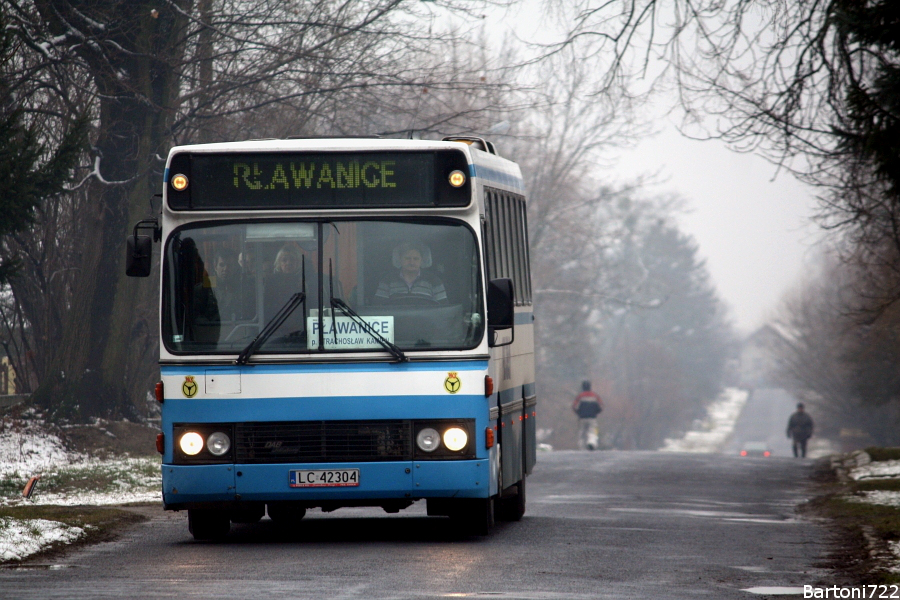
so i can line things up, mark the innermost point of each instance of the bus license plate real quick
(325, 478)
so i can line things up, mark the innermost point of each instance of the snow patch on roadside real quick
(132, 484)
(895, 550)
(715, 429)
(26, 449)
(882, 497)
(22, 538)
(881, 469)
(98, 499)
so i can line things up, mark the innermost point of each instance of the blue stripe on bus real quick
(497, 176)
(268, 482)
(473, 365)
(166, 175)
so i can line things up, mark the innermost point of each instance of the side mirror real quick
(139, 253)
(500, 312)
(139, 248)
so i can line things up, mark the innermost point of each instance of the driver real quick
(410, 282)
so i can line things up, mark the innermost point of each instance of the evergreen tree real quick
(871, 129)
(27, 173)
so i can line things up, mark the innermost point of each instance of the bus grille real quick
(323, 441)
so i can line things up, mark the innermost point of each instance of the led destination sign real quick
(316, 180)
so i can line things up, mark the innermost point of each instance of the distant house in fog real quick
(758, 358)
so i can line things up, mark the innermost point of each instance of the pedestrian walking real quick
(800, 429)
(587, 406)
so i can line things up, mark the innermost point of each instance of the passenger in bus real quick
(227, 284)
(291, 258)
(247, 261)
(288, 259)
(248, 268)
(410, 283)
(217, 295)
(283, 281)
(290, 268)
(203, 308)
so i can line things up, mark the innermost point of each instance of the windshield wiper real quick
(338, 304)
(276, 321)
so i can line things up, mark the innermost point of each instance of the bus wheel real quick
(512, 508)
(208, 524)
(474, 516)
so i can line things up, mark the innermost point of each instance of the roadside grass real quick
(11, 486)
(90, 478)
(104, 477)
(871, 541)
(868, 529)
(73, 505)
(93, 480)
(879, 454)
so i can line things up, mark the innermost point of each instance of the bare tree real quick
(844, 370)
(810, 85)
(151, 74)
(605, 301)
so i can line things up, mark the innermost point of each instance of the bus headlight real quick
(203, 443)
(218, 443)
(455, 439)
(191, 443)
(428, 439)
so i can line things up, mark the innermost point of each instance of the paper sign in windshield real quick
(350, 335)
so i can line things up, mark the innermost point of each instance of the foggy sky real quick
(754, 232)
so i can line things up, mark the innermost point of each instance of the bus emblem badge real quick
(452, 383)
(189, 387)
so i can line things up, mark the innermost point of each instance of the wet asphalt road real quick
(598, 525)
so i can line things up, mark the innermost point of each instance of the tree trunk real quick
(101, 367)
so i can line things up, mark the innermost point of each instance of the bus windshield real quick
(414, 284)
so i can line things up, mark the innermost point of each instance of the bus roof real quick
(324, 143)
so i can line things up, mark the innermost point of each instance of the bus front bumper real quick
(190, 486)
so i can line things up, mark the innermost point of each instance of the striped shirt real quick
(424, 286)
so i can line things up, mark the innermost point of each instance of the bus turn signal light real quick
(489, 437)
(180, 182)
(160, 442)
(488, 386)
(457, 178)
(160, 396)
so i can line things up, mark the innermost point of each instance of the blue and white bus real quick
(344, 322)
